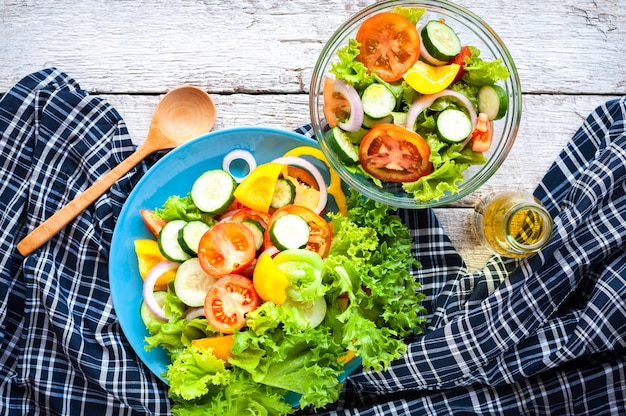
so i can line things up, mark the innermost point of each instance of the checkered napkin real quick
(543, 335)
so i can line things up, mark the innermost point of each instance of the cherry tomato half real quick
(389, 45)
(228, 247)
(460, 60)
(483, 134)
(320, 234)
(153, 224)
(336, 105)
(228, 301)
(394, 154)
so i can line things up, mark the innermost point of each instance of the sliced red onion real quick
(239, 154)
(427, 100)
(148, 287)
(193, 313)
(272, 251)
(356, 108)
(317, 175)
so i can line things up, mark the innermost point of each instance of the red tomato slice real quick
(228, 301)
(320, 235)
(153, 224)
(228, 247)
(483, 134)
(394, 154)
(460, 60)
(336, 106)
(389, 45)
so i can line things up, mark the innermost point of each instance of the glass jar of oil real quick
(512, 223)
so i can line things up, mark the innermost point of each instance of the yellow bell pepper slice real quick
(269, 281)
(257, 189)
(429, 79)
(148, 256)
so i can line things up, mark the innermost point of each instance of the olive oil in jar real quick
(512, 223)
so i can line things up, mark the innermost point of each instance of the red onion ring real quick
(238, 154)
(148, 287)
(196, 312)
(427, 100)
(356, 108)
(317, 175)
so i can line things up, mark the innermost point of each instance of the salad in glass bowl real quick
(415, 103)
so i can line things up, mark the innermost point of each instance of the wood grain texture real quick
(256, 57)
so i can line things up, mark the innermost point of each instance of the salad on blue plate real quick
(265, 296)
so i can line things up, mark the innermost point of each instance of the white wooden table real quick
(255, 58)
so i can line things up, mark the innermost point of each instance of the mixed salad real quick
(407, 102)
(259, 293)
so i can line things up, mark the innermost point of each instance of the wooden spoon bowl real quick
(182, 114)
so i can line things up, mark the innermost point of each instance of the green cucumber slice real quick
(290, 231)
(168, 241)
(440, 40)
(213, 191)
(148, 317)
(340, 143)
(284, 193)
(192, 283)
(378, 101)
(189, 236)
(453, 126)
(493, 101)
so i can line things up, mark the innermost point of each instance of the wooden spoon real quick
(182, 114)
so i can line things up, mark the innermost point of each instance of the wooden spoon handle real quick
(61, 218)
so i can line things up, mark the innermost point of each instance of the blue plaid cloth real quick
(545, 335)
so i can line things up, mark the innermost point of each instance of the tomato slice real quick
(460, 60)
(228, 247)
(153, 223)
(336, 105)
(320, 235)
(389, 45)
(483, 134)
(228, 301)
(394, 154)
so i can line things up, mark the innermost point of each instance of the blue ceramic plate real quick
(173, 175)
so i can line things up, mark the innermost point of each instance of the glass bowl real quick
(471, 30)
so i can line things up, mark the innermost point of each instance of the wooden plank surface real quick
(255, 57)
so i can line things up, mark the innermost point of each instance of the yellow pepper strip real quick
(257, 189)
(220, 345)
(429, 79)
(269, 281)
(148, 256)
(334, 188)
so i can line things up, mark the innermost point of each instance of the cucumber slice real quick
(213, 191)
(284, 193)
(369, 122)
(258, 231)
(148, 317)
(399, 118)
(453, 126)
(290, 231)
(493, 101)
(168, 241)
(189, 236)
(313, 312)
(378, 101)
(340, 143)
(440, 40)
(192, 283)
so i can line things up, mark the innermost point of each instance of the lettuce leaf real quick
(370, 261)
(349, 69)
(480, 72)
(182, 208)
